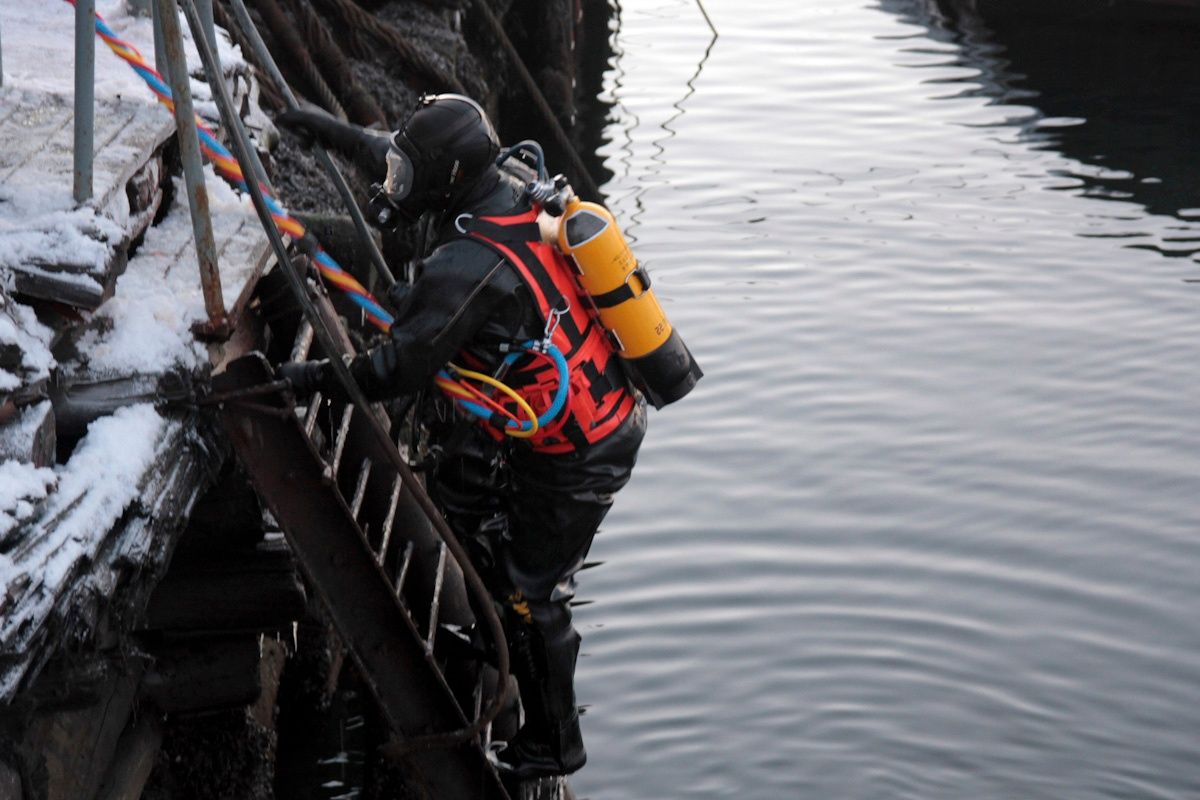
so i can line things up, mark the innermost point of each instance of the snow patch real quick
(21, 486)
(155, 305)
(93, 490)
(18, 436)
(19, 326)
(41, 227)
(39, 48)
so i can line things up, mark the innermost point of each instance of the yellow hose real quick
(503, 389)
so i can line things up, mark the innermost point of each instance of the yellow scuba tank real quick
(655, 356)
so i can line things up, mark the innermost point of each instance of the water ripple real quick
(926, 529)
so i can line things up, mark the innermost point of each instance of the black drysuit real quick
(535, 514)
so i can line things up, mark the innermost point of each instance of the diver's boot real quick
(537, 751)
(544, 652)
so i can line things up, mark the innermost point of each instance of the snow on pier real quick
(99, 467)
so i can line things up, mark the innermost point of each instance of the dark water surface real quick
(928, 527)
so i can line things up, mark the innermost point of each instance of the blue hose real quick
(564, 380)
(560, 395)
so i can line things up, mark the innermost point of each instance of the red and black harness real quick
(600, 398)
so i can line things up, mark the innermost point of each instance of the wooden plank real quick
(28, 130)
(36, 150)
(30, 437)
(75, 745)
(243, 253)
(63, 284)
(109, 579)
(10, 783)
(203, 674)
(254, 254)
(36, 138)
(257, 591)
(136, 753)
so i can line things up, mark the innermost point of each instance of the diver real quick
(535, 419)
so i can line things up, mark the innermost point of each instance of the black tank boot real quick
(543, 659)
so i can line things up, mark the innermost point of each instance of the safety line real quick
(227, 166)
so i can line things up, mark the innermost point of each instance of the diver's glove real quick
(306, 377)
(397, 293)
(367, 148)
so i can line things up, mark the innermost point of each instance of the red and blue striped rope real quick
(225, 164)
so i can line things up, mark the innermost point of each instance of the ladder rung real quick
(393, 504)
(310, 418)
(405, 561)
(304, 337)
(443, 551)
(360, 488)
(339, 442)
(485, 736)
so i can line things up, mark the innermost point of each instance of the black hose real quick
(339, 181)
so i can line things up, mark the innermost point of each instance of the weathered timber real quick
(65, 751)
(274, 656)
(24, 356)
(102, 581)
(227, 520)
(83, 397)
(146, 191)
(167, 257)
(10, 783)
(136, 752)
(36, 152)
(257, 590)
(204, 673)
(29, 435)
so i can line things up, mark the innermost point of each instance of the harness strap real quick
(516, 232)
(600, 399)
(624, 291)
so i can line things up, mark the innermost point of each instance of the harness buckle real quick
(552, 322)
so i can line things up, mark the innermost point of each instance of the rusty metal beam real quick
(193, 170)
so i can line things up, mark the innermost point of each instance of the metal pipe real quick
(160, 51)
(246, 156)
(205, 7)
(85, 98)
(193, 170)
(335, 174)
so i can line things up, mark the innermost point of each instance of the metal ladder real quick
(385, 577)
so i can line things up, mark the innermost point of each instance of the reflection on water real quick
(1121, 99)
(927, 527)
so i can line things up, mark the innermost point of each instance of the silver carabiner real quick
(552, 322)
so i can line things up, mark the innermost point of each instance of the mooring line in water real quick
(707, 18)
